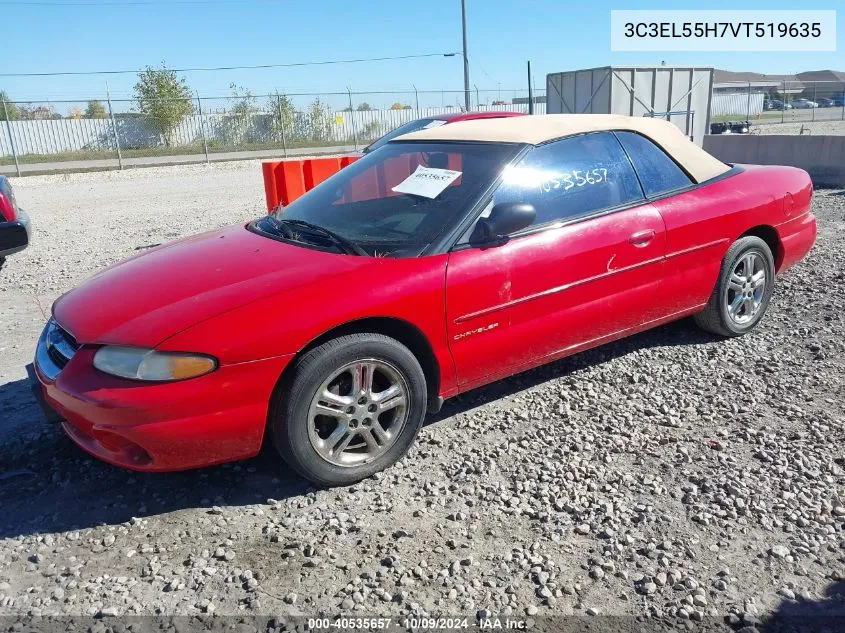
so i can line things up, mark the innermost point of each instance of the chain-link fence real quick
(780, 106)
(106, 131)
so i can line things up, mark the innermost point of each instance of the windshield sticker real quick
(428, 182)
(433, 123)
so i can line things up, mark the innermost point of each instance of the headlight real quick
(138, 363)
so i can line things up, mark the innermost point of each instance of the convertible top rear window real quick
(657, 171)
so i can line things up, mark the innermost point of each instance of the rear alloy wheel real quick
(742, 294)
(353, 408)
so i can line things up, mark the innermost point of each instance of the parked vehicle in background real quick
(804, 104)
(839, 101)
(14, 223)
(824, 102)
(449, 258)
(776, 104)
(730, 127)
(434, 121)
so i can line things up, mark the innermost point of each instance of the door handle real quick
(642, 237)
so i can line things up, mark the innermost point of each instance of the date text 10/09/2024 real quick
(415, 624)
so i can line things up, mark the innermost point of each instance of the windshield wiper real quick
(348, 246)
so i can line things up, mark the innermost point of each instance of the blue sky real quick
(503, 34)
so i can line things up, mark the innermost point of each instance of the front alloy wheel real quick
(351, 407)
(358, 412)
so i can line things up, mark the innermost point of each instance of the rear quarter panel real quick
(701, 224)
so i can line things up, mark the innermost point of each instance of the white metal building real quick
(679, 95)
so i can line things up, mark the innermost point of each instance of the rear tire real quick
(353, 406)
(743, 290)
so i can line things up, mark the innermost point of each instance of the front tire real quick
(353, 407)
(743, 290)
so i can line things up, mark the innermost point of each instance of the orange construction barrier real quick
(290, 181)
(286, 180)
(271, 192)
(316, 170)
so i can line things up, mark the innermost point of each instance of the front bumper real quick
(156, 427)
(14, 236)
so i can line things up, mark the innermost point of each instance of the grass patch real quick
(214, 147)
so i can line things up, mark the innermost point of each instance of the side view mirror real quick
(504, 219)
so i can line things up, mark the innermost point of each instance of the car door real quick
(696, 225)
(588, 268)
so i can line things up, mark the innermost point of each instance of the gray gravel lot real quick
(816, 128)
(671, 475)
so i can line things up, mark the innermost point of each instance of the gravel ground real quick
(670, 475)
(817, 128)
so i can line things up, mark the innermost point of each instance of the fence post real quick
(748, 103)
(352, 118)
(11, 138)
(815, 84)
(202, 128)
(783, 100)
(282, 126)
(114, 129)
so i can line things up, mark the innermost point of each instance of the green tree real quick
(95, 110)
(285, 118)
(239, 123)
(364, 107)
(319, 120)
(11, 108)
(164, 98)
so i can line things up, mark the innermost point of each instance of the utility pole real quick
(530, 91)
(466, 59)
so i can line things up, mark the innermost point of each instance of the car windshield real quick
(394, 202)
(405, 128)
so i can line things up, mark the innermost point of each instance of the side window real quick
(571, 177)
(658, 173)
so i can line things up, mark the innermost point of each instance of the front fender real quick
(411, 290)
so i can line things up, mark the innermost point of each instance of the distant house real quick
(730, 82)
(809, 84)
(523, 100)
(823, 83)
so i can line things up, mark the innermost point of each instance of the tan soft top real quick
(545, 127)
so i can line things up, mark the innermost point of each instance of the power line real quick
(124, 97)
(47, 3)
(183, 70)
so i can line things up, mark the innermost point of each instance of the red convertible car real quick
(452, 257)
(14, 223)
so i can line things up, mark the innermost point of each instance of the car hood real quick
(147, 298)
